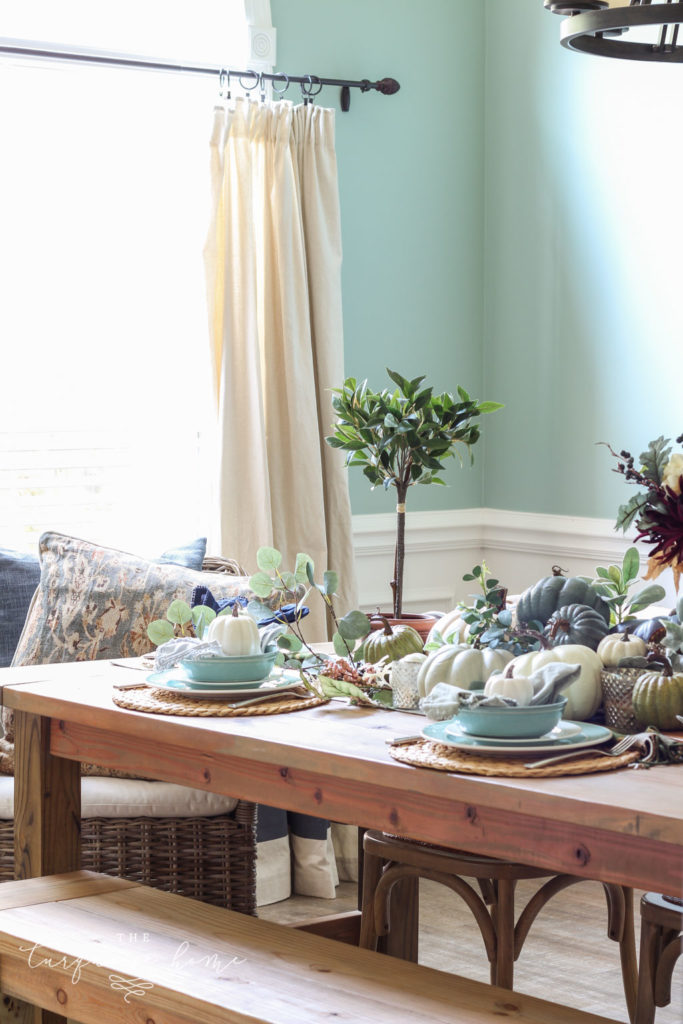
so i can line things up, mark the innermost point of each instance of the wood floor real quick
(567, 956)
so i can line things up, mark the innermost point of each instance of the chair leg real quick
(403, 942)
(503, 914)
(372, 872)
(649, 947)
(627, 954)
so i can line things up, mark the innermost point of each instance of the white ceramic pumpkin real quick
(237, 633)
(450, 626)
(615, 646)
(460, 665)
(584, 694)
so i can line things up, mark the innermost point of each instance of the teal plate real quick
(562, 731)
(174, 680)
(448, 733)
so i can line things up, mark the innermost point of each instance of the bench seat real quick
(100, 949)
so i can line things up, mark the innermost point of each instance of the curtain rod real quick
(310, 84)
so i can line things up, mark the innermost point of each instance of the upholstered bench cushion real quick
(133, 798)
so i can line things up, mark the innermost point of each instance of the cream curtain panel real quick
(273, 259)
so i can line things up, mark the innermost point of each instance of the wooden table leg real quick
(47, 817)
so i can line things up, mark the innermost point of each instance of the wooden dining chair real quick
(661, 944)
(392, 867)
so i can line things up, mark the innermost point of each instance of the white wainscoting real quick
(519, 548)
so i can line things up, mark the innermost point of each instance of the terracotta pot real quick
(421, 623)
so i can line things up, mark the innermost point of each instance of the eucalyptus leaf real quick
(268, 559)
(160, 631)
(202, 616)
(330, 582)
(354, 625)
(301, 567)
(179, 612)
(258, 610)
(261, 584)
(341, 647)
(289, 581)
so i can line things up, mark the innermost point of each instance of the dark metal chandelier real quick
(644, 30)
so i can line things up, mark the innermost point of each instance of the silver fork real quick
(621, 747)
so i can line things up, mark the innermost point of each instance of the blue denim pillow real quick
(190, 555)
(20, 575)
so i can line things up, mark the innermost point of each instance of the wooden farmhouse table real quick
(332, 761)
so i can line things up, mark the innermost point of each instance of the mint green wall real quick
(411, 189)
(583, 327)
(510, 222)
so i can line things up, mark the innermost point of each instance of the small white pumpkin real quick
(505, 684)
(615, 646)
(584, 694)
(460, 665)
(237, 633)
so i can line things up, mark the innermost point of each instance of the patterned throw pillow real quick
(20, 575)
(94, 602)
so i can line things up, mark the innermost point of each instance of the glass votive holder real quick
(403, 681)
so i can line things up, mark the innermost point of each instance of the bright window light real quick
(106, 396)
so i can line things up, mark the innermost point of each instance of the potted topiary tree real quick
(400, 438)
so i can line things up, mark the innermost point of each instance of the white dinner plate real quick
(561, 731)
(589, 735)
(174, 681)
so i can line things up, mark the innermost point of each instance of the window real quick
(106, 394)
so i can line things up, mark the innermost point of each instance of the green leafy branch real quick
(295, 587)
(180, 621)
(613, 583)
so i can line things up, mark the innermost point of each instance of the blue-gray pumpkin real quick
(552, 592)
(576, 624)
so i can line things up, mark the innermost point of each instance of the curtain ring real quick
(277, 75)
(262, 87)
(308, 92)
(256, 77)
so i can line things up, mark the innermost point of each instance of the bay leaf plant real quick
(401, 438)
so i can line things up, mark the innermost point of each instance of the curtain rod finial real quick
(388, 86)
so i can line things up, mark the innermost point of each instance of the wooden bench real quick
(100, 949)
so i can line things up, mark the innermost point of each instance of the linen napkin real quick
(445, 700)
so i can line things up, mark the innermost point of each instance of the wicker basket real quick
(617, 690)
(210, 859)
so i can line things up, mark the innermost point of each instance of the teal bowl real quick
(513, 722)
(246, 668)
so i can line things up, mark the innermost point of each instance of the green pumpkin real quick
(657, 699)
(392, 642)
(556, 591)
(576, 624)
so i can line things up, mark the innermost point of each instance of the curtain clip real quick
(224, 84)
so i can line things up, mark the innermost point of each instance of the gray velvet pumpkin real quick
(552, 592)
(576, 624)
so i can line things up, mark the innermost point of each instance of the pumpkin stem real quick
(388, 631)
(655, 660)
(557, 571)
(509, 671)
(235, 610)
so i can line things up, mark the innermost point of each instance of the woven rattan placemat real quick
(428, 754)
(158, 702)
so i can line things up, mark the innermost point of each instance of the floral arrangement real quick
(656, 510)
